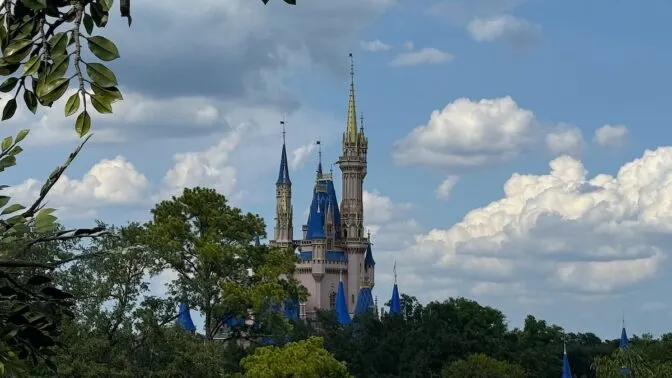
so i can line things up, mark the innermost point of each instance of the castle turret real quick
(352, 164)
(395, 302)
(284, 230)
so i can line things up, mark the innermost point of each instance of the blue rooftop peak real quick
(395, 302)
(566, 370)
(341, 306)
(316, 218)
(623, 344)
(364, 301)
(368, 257)
(283, 175)
(184, 318)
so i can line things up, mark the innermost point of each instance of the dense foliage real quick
(207, 254)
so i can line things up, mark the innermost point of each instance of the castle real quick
(336, 264)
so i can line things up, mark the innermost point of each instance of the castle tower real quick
(352, 164)
(283, 235)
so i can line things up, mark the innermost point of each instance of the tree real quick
(482, 366)
(220, 270)
(306, 358)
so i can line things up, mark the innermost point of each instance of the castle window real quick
(332, 300)
(352, 299)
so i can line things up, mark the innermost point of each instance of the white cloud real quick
(446, 187)
(374, 46)
(503, 27)
(209, 168)
(109, 182)
(408, 45)
(611, 135)
(469, 133)
(427, 55)
(567, 140)
(301, 154)
(564, 229)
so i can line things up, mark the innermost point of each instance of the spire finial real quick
(284, 131)
(340, 275)
(350, 135)
(564, 346)
(394, 270)
(319, 153)
(352, 69)
(361, 121)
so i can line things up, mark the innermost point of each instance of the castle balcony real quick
(338, 258)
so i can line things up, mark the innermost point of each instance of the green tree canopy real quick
(306, 358)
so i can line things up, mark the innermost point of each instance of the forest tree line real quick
(204, 249)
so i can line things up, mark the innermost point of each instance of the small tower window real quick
(332, 300)
(352, 298)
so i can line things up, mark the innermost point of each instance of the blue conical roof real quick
(566, 370)
(283, 175)
(623, 344)
(341, 305)
(184, 318)
(395, 302)
(368, 258)
(364, 301)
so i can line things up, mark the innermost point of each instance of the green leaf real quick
(105, 4)
(15, 48)
(53, 90)
(83, 123)
(98, 15)
(3, 36)
(38, 279)
(31, 66)
(16, 150)
(21, 135)
(31, 101)
(12, 209)
(7, 68)
(112, 94)
(101, 104)
(8, 84)
(6, 143)
(4, 200)
(9, 110)
(44, 221)
(88, 23)
(103, 48)
(35, 4)
(7, 161)
(58, 44)
(101, 75)
(72, 105)
(59, 68)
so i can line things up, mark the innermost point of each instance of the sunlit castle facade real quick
(334, 247)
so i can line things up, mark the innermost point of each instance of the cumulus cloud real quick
(301, 154)
(566, 140)
(374, 46)
(427, 55)
(247, 50)
(564, 229)
(508, 28)
(611, 135)
(209, 168)
(109, 182)
(469, 133)
(446, 187)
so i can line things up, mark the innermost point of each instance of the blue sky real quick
(514, 85)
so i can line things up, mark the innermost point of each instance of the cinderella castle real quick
(335, 261)
(336, 264)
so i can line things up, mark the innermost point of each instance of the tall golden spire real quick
(351, 129)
